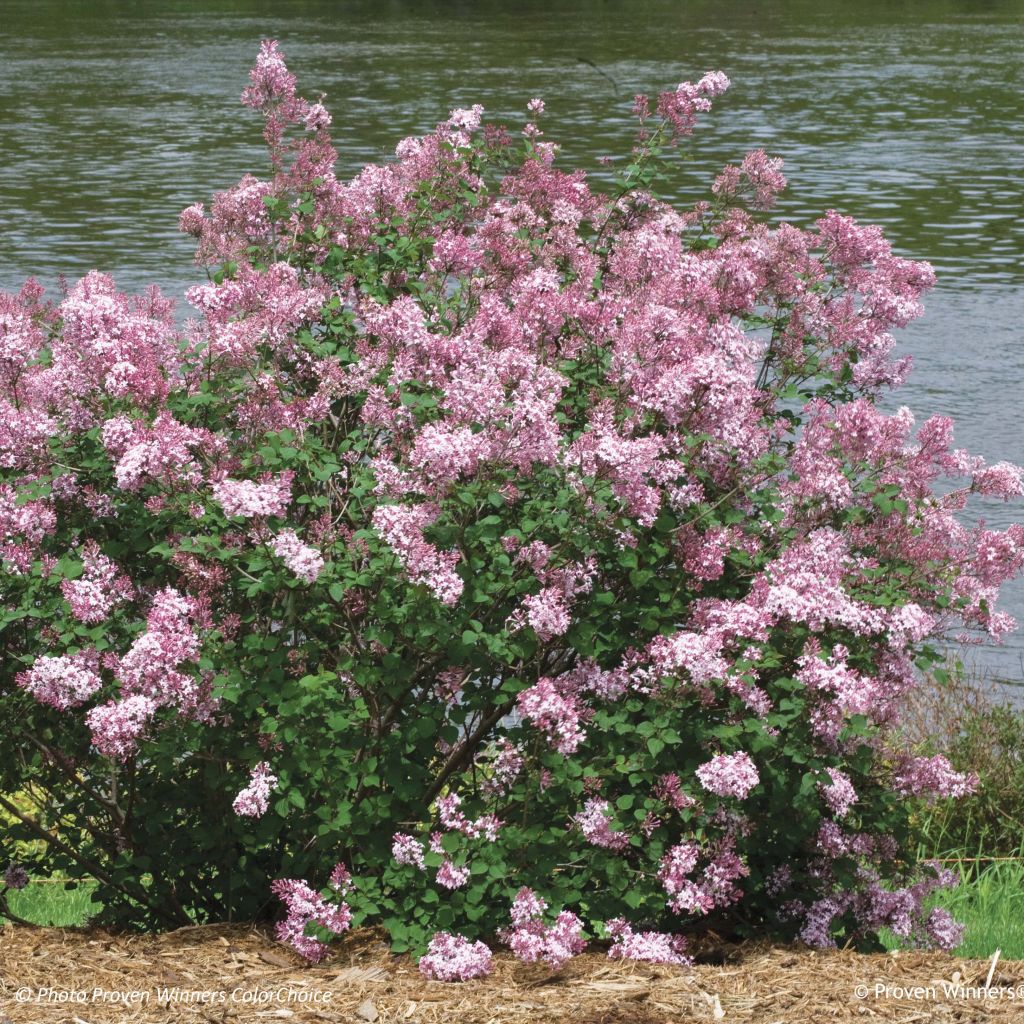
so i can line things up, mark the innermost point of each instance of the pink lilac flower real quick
(317, 118)
(594, 823)
(117, 726)
(1002, 480)
(257, 307)
(454, 820)
(698, 655)
(239, 216)
(531, 940)
(101, 586)
(466, 119)
(817, 926)
(443, 454)
(340, 880)
(269, 79)
(163, 453)
(449, 684)
(721, 873)
(675, 872)
(454, 958)
(547, 614)
(909, 624)
(668, 789)
(729, 775)
(253, 801)
(838, 793)
(848, 691)
(402, 528)
(780, 879)
(680, 108)
(29, 521)
(764, 173)
(451, 875)
(246, 498)
(407, 849)
(555, 714)
(715, 886)
(191, 220)
(505, 768)
(64, 681)
(153, 666)
(527, 906)
(305, 907)
(649, 947)
(301, 559)
(759, 175)
(934, 777)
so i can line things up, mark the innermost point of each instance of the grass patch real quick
(990, 902)
(55, 904)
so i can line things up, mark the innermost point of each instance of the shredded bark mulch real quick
(237, 975)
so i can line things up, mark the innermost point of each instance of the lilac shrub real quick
(486, 540)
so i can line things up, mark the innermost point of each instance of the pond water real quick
(114, 116)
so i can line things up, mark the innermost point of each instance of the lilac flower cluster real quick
(933, 776)
(557, 714)
(254, 799)
(305, 907)
(838, 793)
(151, 676)
(454, 958)
(716, 886)
(650, 947)
(505, 767)
(403, 529)
(408, 850)
(306, 562)
(531, 940)
(593, 822)
(63, 682)
(246, 498)
(101, 586)
(729, 775)
(902, 909)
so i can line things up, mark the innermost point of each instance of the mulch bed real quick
(235, 975)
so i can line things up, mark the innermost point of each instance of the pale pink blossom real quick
(247, 498)
(454, 958)
(304, 561)
(254, 799)
(729, 775)
(64, 681)
(530, 939)
(648, 947)
(304, 906)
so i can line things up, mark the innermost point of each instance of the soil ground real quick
(235, 975)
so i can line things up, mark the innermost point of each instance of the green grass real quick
(54, 905)
(990, 902)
